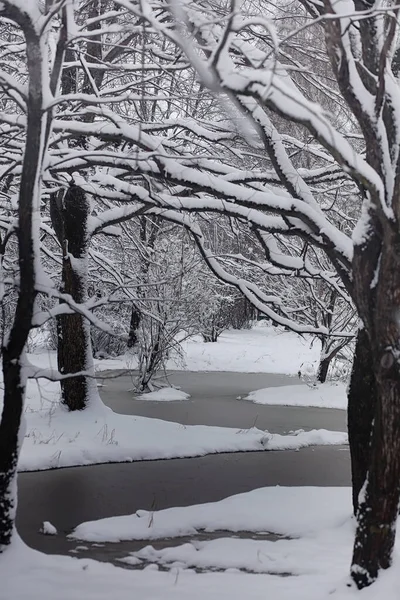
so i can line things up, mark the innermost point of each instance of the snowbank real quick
(300, 511)
(167, 394)
(58, 438)
(326, 395)
(319, 520)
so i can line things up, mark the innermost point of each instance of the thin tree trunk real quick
(361, 396)
(134, 326)
(323, 369)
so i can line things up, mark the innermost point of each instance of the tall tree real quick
(32, 24)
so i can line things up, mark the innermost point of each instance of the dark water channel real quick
(67, 497)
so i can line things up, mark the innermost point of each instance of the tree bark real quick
(73, 330)
(134, 326)
(14, 392)
(73, 345)
(378, 502)
(379, 499)
(28, 236)
(361, 397)
(323, 369)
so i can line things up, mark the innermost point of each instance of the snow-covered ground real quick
(314, 557)
(262, 349)
(294, 512)
(326, 395)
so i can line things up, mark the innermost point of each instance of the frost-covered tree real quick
(158, 265)
(312, 297)
(31, 24)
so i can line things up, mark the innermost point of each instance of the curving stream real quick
(66, 497)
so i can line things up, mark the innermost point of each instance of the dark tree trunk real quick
(134, 326)
(69, 216)
(378, 502)
(14, 392)
(73, 330)
(73, 345)
(360, 412)
(323, 369)
(27, 232)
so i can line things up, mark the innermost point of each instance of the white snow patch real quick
(295, 512)
(167, 394)
(262, 349)
(325, 395)
(301, 439)
(48, 529)
(297, 557)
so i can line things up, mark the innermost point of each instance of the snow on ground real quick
(326, 395)
(167, 394)
(316, 561)
(29, 575)
(58, 438)
(300, 511)
(262, 349)
(297, 557)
